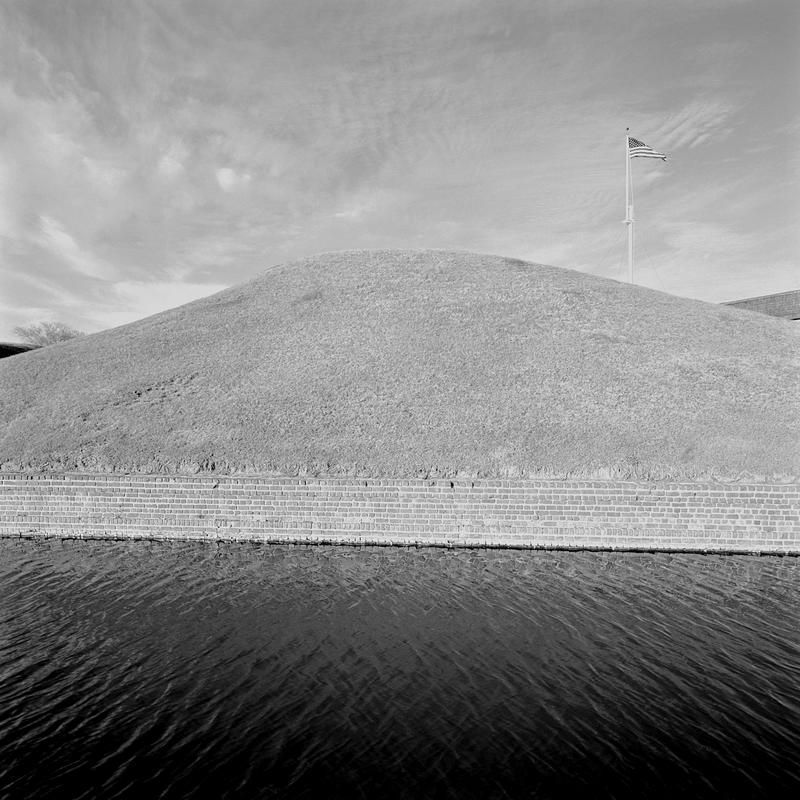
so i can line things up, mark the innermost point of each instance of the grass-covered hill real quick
(401, 363)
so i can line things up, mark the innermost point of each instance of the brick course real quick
(590, 514)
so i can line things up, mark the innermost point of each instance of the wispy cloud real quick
(54, 237)
(696, 122)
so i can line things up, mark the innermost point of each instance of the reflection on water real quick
(171, 670)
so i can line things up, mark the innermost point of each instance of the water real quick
(175, 670)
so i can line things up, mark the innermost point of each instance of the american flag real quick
(637, 148)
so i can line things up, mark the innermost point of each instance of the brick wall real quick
(784, 304)
(501, 513)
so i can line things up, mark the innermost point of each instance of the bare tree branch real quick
(46, 333)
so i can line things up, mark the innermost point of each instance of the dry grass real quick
(403, 363)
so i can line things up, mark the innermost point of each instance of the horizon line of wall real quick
(531, 514)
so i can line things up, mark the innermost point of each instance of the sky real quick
(156, 151)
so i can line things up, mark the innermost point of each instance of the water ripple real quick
(180, 670)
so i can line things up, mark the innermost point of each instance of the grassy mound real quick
(403, 363)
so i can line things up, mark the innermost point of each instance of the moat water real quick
(181, 670)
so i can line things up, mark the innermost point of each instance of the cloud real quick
(8, 212)
(171, 163)
(55, 238)
(364, 203)
(105, 177)
(696, 122)
(229, 180)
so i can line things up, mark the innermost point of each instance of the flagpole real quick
(629, 206)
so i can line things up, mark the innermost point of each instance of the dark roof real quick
(782, 304)
(13, 348)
